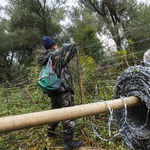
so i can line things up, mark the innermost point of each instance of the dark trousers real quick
(61, 100)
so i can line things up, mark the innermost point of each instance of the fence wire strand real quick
(97, 88)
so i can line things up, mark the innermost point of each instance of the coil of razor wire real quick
(110, 120)
(135, 81)
(132, 123)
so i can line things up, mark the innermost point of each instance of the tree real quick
(113, 17)
(29, 21)
(41, 16)
(84, 33)
(85, 36)
(139, 30)
(6, 56)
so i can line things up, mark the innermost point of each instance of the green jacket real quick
(60, 58)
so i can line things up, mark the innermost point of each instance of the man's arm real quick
(70, 50)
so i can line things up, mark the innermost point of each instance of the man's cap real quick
(48, 42)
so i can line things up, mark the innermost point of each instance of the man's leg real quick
(67, 100)
(55, 104)
(68, 129)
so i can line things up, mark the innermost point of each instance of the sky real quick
(3, 2)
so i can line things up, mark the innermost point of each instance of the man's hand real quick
(77, 50)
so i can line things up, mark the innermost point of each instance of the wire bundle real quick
(134, 122)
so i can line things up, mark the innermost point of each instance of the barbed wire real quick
(18, 78)
(121, 56)
(111, 37)
(118, 56)
(118, 64)
(21, 103)
(22, 77)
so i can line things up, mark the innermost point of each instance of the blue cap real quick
(48, 42)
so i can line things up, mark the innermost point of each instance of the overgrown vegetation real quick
(94, 69)
(35, 138)
(23, 96)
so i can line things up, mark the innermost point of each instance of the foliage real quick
(36, 137)
(116, 18)
(23, 96)
(123, 59)
(5, 52)
(40, 16)
(28, 22)
(85, 36)
(87, 66)
(83, 31)
(139, 29)
(94, 77)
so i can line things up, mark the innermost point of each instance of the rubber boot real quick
(71, 144)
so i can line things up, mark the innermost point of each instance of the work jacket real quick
(60, 58)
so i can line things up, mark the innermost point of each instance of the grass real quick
(35, 138)
(17, 100)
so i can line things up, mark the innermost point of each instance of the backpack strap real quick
(50, 60)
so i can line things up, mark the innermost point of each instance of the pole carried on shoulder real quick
(17, 122)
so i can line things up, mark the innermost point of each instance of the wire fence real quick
(23, 95)
(92, 82)
(23, 91)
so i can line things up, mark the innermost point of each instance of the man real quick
(63, 97)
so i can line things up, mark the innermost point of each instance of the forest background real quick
(95, 68)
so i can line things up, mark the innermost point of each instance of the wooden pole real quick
(17, 122)
(79, 76)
